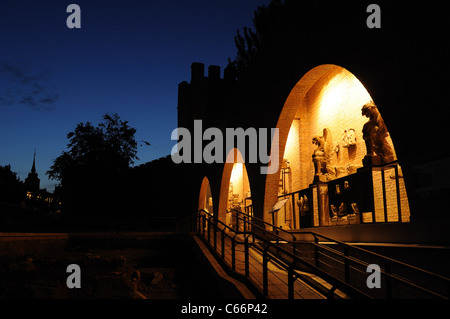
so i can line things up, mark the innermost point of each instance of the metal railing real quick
(257, 250)
(275, 261)
(296, 211)
(349, 263)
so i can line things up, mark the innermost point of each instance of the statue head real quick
(317, 140)
(369, 109)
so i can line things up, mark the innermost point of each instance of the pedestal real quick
(322, 204)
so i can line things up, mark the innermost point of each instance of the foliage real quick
(109, 146)
(93, 170)
(11, 188)
(250, 43)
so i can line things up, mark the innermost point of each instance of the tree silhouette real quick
(109, 146)
(92, 171)
(250, 43)
(12, 189)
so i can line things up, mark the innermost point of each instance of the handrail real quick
(393, 276)
(220, 222)
(315, 234)
(259, 227)
(316, 269)
(384, 258)
(266, 223)
(216, 219)
(293, 259)
(293, 193)
(297, 259)
(234, 242)
(374, 254)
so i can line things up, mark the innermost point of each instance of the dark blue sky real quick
(128, 57)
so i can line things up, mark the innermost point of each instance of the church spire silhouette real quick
(32, 182)
(33, 168)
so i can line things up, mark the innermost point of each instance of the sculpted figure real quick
(323, 171)
(319, 154)
(375, 134)
(303, 205)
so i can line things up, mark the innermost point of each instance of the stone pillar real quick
(321, 204)
(324, 204)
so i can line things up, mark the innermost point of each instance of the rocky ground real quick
(131, 269)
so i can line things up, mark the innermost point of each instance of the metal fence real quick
(285, 264)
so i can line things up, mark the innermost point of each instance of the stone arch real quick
(205, 200)
(326, 97)
(233, 170)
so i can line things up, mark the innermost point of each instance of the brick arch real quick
(298, 103)
(202, 200)
(225, 182)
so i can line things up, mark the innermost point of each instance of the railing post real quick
(203, 226)
(383, 184)
(291, 280)
(208, 226)
(346, 265)
(265, 272)
(316, 251)
(233, 254)
(246, 247)
(399, 202)
(215, 234)
(223, 244)
(294, 221)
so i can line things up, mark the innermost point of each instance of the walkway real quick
(277, 277)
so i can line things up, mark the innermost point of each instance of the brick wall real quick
(334, 102)
(328, 96)
(391, 197)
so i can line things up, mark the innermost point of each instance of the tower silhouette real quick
(32, 182)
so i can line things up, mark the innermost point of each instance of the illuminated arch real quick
(327, 96)
(205, 200)
(233, 170)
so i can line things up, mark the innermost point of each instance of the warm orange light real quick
(342, 97)
(292, 140)
(239, 181)
(236, 174)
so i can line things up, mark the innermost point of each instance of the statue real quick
(303, 205)
(349, 138)
(374, 134)
(323, 170)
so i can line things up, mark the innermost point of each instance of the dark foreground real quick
(113, 266)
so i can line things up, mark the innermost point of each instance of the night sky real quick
(127, 58)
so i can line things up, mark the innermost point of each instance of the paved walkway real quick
(277, 277)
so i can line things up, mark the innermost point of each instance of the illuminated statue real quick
(322, 157)
(303, 205)
(374, 134)
(349, 138)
